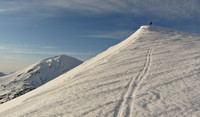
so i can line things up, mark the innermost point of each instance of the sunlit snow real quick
(155, 72)
(25, 80)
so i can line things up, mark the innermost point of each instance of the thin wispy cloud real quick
(10, 6)
(117, 35)
(49, 47)
(170, 9)
(42, 52)
(14, 58)
(16, 50)
(2, 47)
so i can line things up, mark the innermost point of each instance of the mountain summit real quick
(154, 72)
(25, 80)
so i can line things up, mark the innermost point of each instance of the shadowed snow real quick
(25, 80)
(154, 72)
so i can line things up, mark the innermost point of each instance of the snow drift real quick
(25, 80)
(154, 72)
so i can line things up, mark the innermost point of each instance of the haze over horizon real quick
(34, 30)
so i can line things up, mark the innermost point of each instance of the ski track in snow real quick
(153, 73)
(126, 104)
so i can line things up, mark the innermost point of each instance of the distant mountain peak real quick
(29, 78)
(154, 72)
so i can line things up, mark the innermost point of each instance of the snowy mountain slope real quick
(25, 80)
(154, 72)
(2, 74)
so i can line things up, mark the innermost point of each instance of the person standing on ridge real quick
(150, 23)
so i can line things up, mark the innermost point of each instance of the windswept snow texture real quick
(25, 80)
(155, 72)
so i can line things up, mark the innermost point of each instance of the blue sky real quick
(32, 30)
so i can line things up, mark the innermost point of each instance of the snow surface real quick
(25, 80)
(155, 72)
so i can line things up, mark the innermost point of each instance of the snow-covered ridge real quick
(154, 72)
(25, 80)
